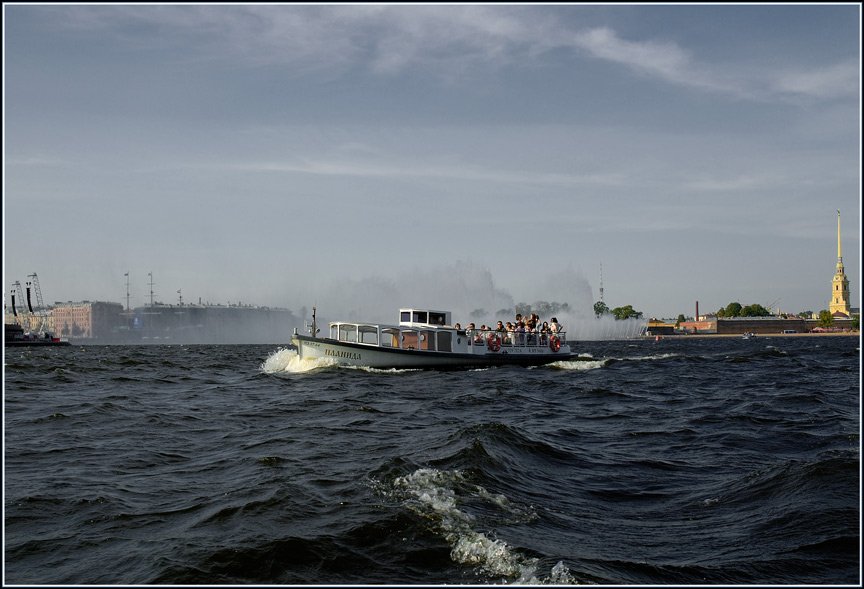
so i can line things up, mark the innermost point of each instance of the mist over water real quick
(468, 290)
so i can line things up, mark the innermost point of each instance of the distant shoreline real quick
(757, 336)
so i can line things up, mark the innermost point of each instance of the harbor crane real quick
(40, 311)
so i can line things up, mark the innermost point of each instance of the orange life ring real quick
(554, 343)
(493, 342)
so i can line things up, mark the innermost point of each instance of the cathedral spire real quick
(839, 251)
(840, 284)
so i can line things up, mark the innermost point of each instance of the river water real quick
(681, 461)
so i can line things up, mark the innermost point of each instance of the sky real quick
(469, 156)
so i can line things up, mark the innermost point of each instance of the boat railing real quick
(514, 339)
(435, 338)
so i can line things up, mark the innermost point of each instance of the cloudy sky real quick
(285, 154)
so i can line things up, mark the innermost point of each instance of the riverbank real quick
(757, 336)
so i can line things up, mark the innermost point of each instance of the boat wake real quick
(579, 364)
(287, 361)
(435, 495)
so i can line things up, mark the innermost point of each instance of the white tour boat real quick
(428, 339)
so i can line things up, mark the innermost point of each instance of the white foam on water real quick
(433, 494)
(591, 364)
(579, 364)
(288, 361)
(653, 357)
(371, 370)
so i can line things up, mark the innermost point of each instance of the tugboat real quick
(13, 335)
(426, 338)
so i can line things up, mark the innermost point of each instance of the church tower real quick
(840, 284)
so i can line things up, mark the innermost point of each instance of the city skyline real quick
(363, 156)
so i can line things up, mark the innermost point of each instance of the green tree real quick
(626, 312)
(681, 319)
(826, 319)
(731, 310)
(856, 322)
(754, 310)
(600, 308)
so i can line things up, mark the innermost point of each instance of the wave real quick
(588, 362)
(436, 495)
(288, 361)
(579, 365)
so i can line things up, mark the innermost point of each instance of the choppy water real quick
(682, 461)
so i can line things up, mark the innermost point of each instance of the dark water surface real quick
(687, 461)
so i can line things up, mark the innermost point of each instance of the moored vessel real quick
(14, 335)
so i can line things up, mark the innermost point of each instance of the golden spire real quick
(839, 251)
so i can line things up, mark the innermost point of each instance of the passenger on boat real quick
(555, 326)
(545, 330)
(520, 333)
(476, 334)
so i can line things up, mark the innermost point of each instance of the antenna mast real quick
(150, 274)
(127, 291)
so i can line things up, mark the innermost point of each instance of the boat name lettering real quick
(342, 354)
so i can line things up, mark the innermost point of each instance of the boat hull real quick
(34, 343)
(377, 357)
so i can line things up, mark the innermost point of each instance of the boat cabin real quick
(424, 318)
(417, 330)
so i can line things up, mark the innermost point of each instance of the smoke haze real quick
(470, 292)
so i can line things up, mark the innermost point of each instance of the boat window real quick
(405, 316)
(420, 317)
(437, 318)
(369, 334)
(445, 341)
(347, 332)
(409, 340)
(390, 338)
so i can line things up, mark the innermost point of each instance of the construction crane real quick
(40, 311)
(771, 305)
(39, 303)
